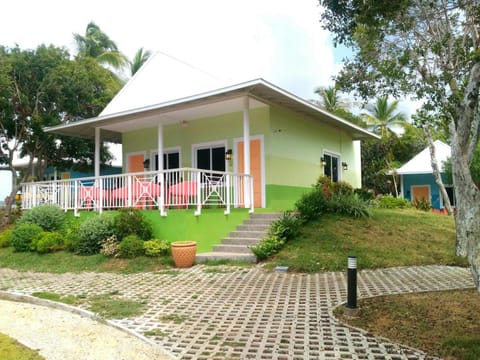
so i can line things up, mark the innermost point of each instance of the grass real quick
(68, 299)
(444, 324)
(403, 237)
(11, 349)
(108, 307)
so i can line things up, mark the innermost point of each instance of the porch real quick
(160, 190)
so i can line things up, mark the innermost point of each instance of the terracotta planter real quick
(183, 253)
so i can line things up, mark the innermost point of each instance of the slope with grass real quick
(390, 237)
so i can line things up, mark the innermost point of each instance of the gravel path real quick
(60, 335)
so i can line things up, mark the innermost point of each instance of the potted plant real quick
(183, 253)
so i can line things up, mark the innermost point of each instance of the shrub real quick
(286, 227)
(156, 247)
(92, 233)
(132, 221)
(23, 235)
(311, 205)
(72, 237)
(267, 247)
(49, 242)
(364, 194)
(326, 185)
(131, 246)
(5, 238)
(348, 204)
(391, 202)
(422, 204)
(110, 247)
(342, 188)
(48, 217)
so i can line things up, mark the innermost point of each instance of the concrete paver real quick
(246, 313)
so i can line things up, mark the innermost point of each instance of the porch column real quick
(97, 152)
(246, 148)
(161, 177)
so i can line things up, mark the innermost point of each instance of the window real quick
(171, 160)
(331, 166)
(211, 158)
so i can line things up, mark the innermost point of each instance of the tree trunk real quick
(436, 172)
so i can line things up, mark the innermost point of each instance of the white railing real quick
(162, 190)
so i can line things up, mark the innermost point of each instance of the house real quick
(417, 180)
(250, 144)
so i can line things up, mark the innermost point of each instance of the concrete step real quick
(260, 221)
(237, 249)
(263, 228)
(216, 256)
(247, 234)
(269, 216)
(240, 241)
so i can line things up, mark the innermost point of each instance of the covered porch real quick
(161, 190)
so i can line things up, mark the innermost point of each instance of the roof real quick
(149, 99)
(421, 163)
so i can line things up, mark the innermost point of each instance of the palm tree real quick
(329, 98)
(139, 59)
(382, 116)
(98, 45)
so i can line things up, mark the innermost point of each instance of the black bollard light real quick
(352, 283)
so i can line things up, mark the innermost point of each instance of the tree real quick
(138, 60)
(44, 87)
(430, 50)
(96, 44)
(382, 117)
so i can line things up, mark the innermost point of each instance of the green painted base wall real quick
(207, 229)
(282, 198)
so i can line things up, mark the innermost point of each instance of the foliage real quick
(286, 227)
(391, 202)
(326, 185)
(382, 116)
(267, 247)
(93, 232)
(311, 205)
(140, 58)
(348, 204)
(23, 235)
(6, 238)
(342, 188)
(110, 247)
(364, 194)
(156, 247)
(130, 247)
(48, 217)
(130, 221)
(422, 204)
(48, 242)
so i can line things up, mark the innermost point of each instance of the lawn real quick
(402, 237)
(444, 324)
(11, 349)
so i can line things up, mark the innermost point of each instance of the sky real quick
(281, 41)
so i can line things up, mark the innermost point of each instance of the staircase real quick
(236, 245)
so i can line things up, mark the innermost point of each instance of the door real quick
(419, 192)
(255, 168)
(135, 163)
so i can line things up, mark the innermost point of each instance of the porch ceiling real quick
(221, 101)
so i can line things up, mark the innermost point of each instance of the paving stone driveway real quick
(247, 313)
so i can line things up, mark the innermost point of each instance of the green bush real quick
(110, 247)
(130, 247)
(72, 237)
(267, 247)
(364, 194)
(156, 247)
(286, 227)
(92, 233)
(342, 188)
(311, 205)
(132, 221)
(348, 204)
(422, 204)
(48, 217)
(5, 238)
(49, 242)
(326, 185)
(391, 202)
(23, 235)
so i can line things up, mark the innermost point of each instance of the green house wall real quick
(293, 146)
